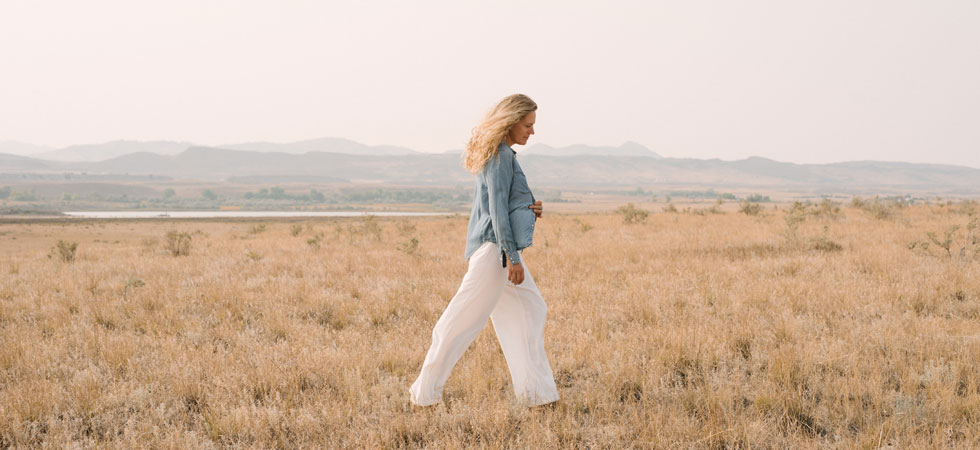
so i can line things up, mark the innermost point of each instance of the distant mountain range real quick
(22, 148)
(112, 149)
(108, 150)
(328, 145)
(339, 160)
(627, 149)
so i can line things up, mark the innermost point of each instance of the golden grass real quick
(681, 331)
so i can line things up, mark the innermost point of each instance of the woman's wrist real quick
(516, 260)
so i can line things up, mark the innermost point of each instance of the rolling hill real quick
(574, 166)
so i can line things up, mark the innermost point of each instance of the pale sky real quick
(797, 81)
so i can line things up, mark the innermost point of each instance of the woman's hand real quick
(515, 273)
(536, 207)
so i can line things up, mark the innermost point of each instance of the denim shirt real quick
(501, 212)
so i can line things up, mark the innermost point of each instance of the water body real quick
(233, 214)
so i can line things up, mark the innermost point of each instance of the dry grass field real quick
(806, 328)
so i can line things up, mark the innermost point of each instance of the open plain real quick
(814, 326)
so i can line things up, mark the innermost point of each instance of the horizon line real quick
(437, 152)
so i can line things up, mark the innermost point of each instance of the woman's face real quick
(522, 130)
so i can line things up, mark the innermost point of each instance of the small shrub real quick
(133, 282)
(794, 216)
(878, 209)
(827, 208)
(875, 207)
(973, 231)
(410, 247)
(742, 346)
(253, 255)
(65, 250)
(750, 208)
(670, 208)
(632, 214)
(968, 247)
(315, 241)
(704, 211)
(582, 226)
(947, 240)
(178, 243)
(257, 228)
(716, 209)
(629, 391)
(328, 316)
(296, 229)
(824, 244)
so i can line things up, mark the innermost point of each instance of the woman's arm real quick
(499, 173)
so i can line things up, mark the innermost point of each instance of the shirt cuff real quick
(514, 257)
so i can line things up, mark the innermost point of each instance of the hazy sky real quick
(799, 81)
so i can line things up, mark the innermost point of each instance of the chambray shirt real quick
(501, 212)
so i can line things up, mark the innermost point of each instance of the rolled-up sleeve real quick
(499, 174)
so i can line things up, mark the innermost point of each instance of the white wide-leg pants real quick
(518, 314)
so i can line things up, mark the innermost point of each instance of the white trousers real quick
(518, 314)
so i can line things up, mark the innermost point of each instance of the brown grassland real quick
(791, 328)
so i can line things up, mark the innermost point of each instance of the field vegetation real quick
(725, 325)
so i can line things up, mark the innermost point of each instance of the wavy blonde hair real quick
(494, 128)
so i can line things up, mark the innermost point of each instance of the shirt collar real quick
(503, 143)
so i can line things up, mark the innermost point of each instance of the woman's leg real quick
(460, 323)
(518, 319)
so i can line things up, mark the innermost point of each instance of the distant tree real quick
(208, 194)
(277, 193)
(25, 196)
(5, 192)
(317, 196)
(169, 193)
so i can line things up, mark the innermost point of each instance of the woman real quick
(497, 284)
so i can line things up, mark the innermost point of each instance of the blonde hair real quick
(495, 126)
